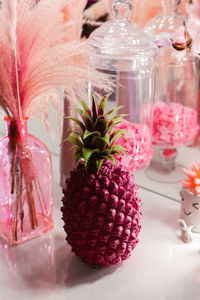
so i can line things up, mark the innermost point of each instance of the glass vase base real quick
(27, 234)
(156, 173)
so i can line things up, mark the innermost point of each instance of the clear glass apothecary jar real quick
(125, 53)
(175, 121)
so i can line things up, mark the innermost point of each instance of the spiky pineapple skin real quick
(101, 214)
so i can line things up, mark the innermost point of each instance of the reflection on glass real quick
(30, 265)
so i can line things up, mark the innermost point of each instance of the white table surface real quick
(161, 267)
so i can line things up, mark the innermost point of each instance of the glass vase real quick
(175, 119)
(125, 53)
(26, 189)
(163, 25)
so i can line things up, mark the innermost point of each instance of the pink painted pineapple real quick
(101, 217)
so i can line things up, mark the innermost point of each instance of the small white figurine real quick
(186, 231)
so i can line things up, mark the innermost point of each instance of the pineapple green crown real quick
(95, 138)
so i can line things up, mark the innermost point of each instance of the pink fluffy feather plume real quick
(47, 57)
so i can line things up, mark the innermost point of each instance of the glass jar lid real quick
(120, 37)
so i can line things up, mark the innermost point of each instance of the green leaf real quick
(102, 105)
(89, 134)
(84, 105)
(72, 148)
(118, 131)
(107, 151)
(85, 117)
(111, 158)
(64, 141)
(101, 124)
(78, 110)
(113, 111)
(115, 152)
(94, 108)
(69, 148)
(77, 156)
(101, 141)
(87, 153)
(117, 134)
(116, 120)
(120, 148)
(80, 124)
(72, 138)
(99, 163)
(87, 120)
(112, 126)
(74, 134)
(78, 134)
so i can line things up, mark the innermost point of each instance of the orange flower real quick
(193, 181)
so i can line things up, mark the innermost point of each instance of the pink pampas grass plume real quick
(45, 61)
(12, 22)
(74, 11)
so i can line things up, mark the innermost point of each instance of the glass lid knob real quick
(121, 10)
